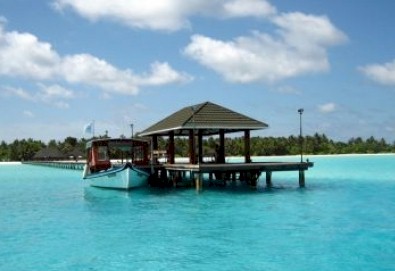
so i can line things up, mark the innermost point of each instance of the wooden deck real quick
(249, 172)
(261, 166)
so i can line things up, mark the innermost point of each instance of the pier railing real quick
(75, 165)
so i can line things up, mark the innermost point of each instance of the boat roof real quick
(113, 141)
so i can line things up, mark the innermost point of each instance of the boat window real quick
(102, 153)
(138, 152)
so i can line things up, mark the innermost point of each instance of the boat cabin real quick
(100, 152)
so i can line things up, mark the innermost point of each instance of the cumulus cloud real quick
(327, 108)
(299, 47)
(54, 95)
(168, 15)
(24, 55)
(246, 8)
(381, 73)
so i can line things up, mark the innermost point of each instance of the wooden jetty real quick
(195, 122)
(75, 165)
(247, 172)
(209, 119)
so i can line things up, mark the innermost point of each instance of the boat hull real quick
(126, 177)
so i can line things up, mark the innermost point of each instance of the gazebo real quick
(205, 119)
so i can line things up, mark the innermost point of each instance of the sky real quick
(67, 63)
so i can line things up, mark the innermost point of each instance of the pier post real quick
(200, 146)
(269, 179)
(247, 151)
(199, 181)
(221, 154)
(171, 148)
(192, 148)
(301, 178)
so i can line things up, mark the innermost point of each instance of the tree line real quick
(25, 149)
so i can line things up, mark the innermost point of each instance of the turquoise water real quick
(343, 220)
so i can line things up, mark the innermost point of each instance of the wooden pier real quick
(177, 173)
(58, 164)
(196, 122)
(248, 172)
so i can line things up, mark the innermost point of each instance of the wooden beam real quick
(221, 154)
(171, 148)
(200, 146)
(192, 156)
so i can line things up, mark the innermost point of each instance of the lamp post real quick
(300, 111)
(131, 126)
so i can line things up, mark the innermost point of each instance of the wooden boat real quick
(117, 163)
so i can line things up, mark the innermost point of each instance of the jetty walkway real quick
(75, 165)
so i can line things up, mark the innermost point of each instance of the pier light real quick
(300, 111)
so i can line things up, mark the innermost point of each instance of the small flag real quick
(88, 129)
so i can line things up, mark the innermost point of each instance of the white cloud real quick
(162, 73)
(327, 108)
(308, 32)
(168, 15)
(90, 70)
(24, 55)
(381, 73)
(299, 46)
(21, 54)
(244, 8)
(295, 51)
(18, 92)
(54, 95)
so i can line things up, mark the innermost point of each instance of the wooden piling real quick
(199, 181)
(301, 178)
(269, 179)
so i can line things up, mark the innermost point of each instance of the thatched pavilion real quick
(205, 119)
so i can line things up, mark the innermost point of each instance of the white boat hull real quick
(125, 177)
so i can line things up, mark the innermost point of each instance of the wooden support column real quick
(155, 142)
(301, 178)
(200, 146)
(171, 148)
(221, 154)
(154, 159)
(192, 156)
(269, 179)
(199, 181)
(247, 155)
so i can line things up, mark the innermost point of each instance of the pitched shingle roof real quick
(49, 153)
(208, 117)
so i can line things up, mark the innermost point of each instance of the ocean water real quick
(343, 220)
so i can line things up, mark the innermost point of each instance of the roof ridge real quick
(194, 111)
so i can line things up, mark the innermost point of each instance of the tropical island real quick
(317, 144)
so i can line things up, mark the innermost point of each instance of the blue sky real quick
(64, 63)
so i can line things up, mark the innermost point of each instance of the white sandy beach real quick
(9, 163)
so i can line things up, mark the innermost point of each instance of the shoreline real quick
(181, 159)
(10, 163)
